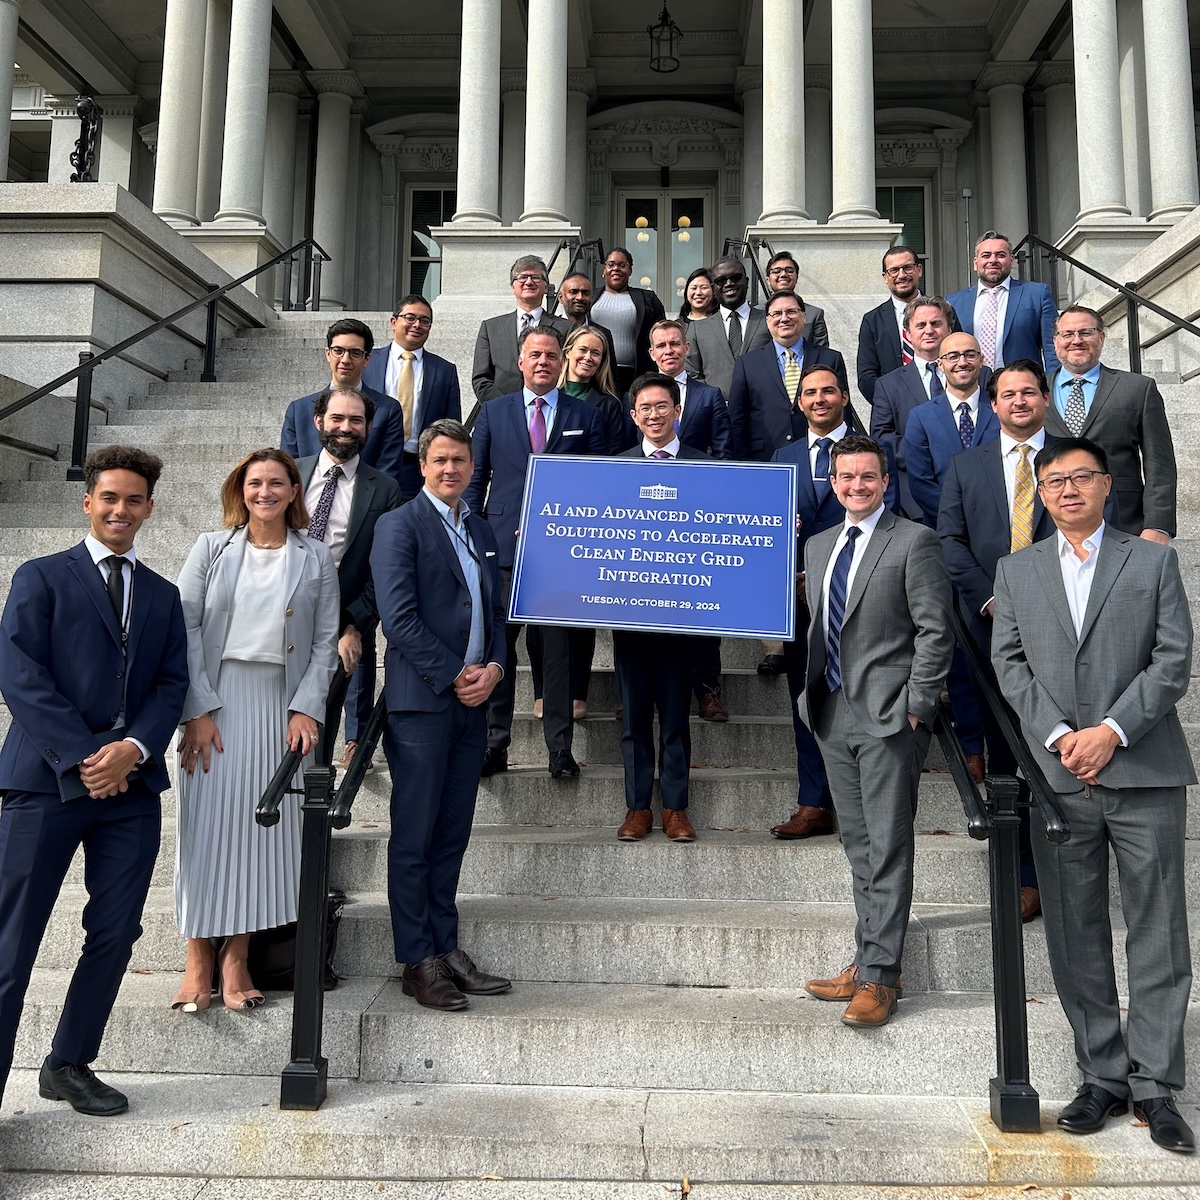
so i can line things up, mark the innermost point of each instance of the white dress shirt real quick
(339, 514)
(899, 306)
(392, 383)
(535, 318)
(972, 403)
(672, 447)
(682, 380)
(981, 303)
(866, 527)
(813, 449)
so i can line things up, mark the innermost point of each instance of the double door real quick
(667, 232)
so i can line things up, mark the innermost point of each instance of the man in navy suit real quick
(783, 275)
(823, 402)
(438, 591)
(416, 378)
(537, 420)
(1011, 318)
(93, 668)
(762, 397)
(347, 346)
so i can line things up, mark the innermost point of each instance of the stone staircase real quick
(657, 1028)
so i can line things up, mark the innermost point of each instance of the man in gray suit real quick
(879, 648)
(1121, 412)
(733, 330)
(1092, 645)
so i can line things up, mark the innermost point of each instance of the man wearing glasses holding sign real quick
(1092, 645)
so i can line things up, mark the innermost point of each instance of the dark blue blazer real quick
(703, 426)
(425, 604)
(385, 443)
(879, 349)
(1028, 321)
(61, 669)
(760, 410)
(500, 443)
(930, 442)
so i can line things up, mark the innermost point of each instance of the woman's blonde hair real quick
(603, 380)
(233, 504)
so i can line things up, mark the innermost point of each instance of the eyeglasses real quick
(353, 351)
(617, 264)
(906, 269)
(780, 272)
(1081, 479)
(953, 356)
(529, 277)
(420, 322)
(784, 314)
(1077, 335)
(653, 410)
(721, 280)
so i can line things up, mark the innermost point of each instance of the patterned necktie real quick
(660, 454)
(116, 585)
(906, 347)
(537, 427)
(318, 525)
(1076, 412)
(1022, 509)
(405, 390)
(966, 430)
(935, 381)
(791, 374)
(987, 328)
(735, 333)
(821, 469)
(526, 321)
(837, 611)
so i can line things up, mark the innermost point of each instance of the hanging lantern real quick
(664, 43)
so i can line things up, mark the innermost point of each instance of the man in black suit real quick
(348, 345)
(360, 496)
(654, 670)
(575, 292)
(93, 668)
(423, 384)
(733, 330)
(628, 313)
(783, 275)
(495, 371)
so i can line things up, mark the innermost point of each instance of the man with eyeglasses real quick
(495, 372)
(629, 313)
(424, 385)
(733, 330)
(783, 274)
(1092, 645)
(1121, 412)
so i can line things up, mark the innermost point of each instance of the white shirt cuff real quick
(983, 610)
(1117, 730)
(145, 754)
(1057, 732)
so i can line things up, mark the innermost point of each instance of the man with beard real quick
(346, 497)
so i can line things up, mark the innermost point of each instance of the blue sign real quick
(659, 547)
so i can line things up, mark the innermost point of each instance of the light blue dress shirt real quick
(460, 539)
(1062, 389)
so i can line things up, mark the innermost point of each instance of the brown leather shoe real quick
(975, 765)
(871, 1004)
(1031, 903)
(638, 822)
(841, 987)
(676, 825)
(711, 708)
(469, 978)
(429, 982)
(804, 822)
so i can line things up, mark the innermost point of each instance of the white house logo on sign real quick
(658, 491)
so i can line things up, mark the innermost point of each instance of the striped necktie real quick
(791, 374)
(1022, 508)
(906, 347)
(837, 610)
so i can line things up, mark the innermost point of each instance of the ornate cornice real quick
(344, 83)
(749, 79)
(512, 81)
(819, 75)
(288, 83)
(60, 107)
(118, 106)
(1005, 74)
(582, 81)
(1054, 74)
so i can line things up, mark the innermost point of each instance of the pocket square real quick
(572, 432)
(489, 554)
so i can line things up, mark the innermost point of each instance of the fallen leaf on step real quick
(366, 826)
(140, 971)
(179, 1124)
(1140, 1124)
(1033, 1000)
(549, 897)
(733, 829)
(491, 1178)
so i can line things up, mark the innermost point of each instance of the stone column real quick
(10, 12)
(1173, 182)
(479, 114)
(1135, 131)
(581, 86)
(512, 146)
(853, 112)
(118, 141)
(64, 132)
(336, 91)
(546, 115)
(1058, 79)
(783, 110)
(1005, 86)
(1098, 110)
(750, 88)
(246, 112)
(212, 109)
(284, 90)
(818, 147)
(176, 164)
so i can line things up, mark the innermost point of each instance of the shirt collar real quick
(326, 462)
(397, 350)
(972, 401)
(536, 313)
(682, 379)
(1008, 444)
(1067, 376)
(901, 305)
(1091, 544)
(867, 524)
(797, 348)
(550, 397)
(99, 551)
(444, 510)
(983, 287)
(672, 447)
(836, 436)
(743, 311)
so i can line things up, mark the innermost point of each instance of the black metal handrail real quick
(89, 361)
(588, 253)
(741, 248)
(979, 822)
(1133, 298)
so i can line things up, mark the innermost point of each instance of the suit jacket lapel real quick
(1114, 554)
(565, 414)
(231, 563)
(364, 493)
(138, 609)
(913, 380)
(1104, 388)
(871, 555)
(985, 419)
(1052, 585)
(993, 473)
(441, 536)
(753, 321)
(89, 577)
(1015, 293)
(296, 554)
(517, 412)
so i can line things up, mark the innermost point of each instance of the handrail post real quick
(209, 373)
(303, 1083)
(83, 416)
(317, 259)
(1133, 330)
(1014, 1102)
(287, 284)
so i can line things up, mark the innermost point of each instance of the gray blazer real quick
(709, 357)
(896, 639)
(1131, 661)
(206, 587)
(495, 372)
(1128, 420)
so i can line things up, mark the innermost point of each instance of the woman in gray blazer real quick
(261, 607)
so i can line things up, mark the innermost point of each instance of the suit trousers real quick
(874, 785)
(39, 836)
(582, 644)
(556, 683)
(360, 696)
(1145, 827)
(964, 705)
(654, 674)
(706, 667)
(812, 785)
(435, 759)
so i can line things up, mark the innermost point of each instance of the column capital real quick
(118, 106)
(512, 81)
(61, 107)
(818, 75)
(598, 144)
(582, 81)
(1054, 74)
(749, 79)
(343, 83)
(287, 83)
(1005, 74)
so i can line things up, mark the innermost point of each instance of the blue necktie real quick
(821, 469)
(837, 611)
(966, 430)
(935, 382)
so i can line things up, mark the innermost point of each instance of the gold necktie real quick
(791, 375)
(1022, 509)
(405, 387)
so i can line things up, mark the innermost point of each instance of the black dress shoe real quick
(495, 760)
(469, 978)
(80, 1088)
(772, 664)
(1167, 1128)
(430, 983)
(1092, 1106)
(563, 765)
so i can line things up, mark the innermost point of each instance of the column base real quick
(1105, 246)
(238, 248)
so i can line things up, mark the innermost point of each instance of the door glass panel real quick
(906, 206)
(688, 249)
(641, 239)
